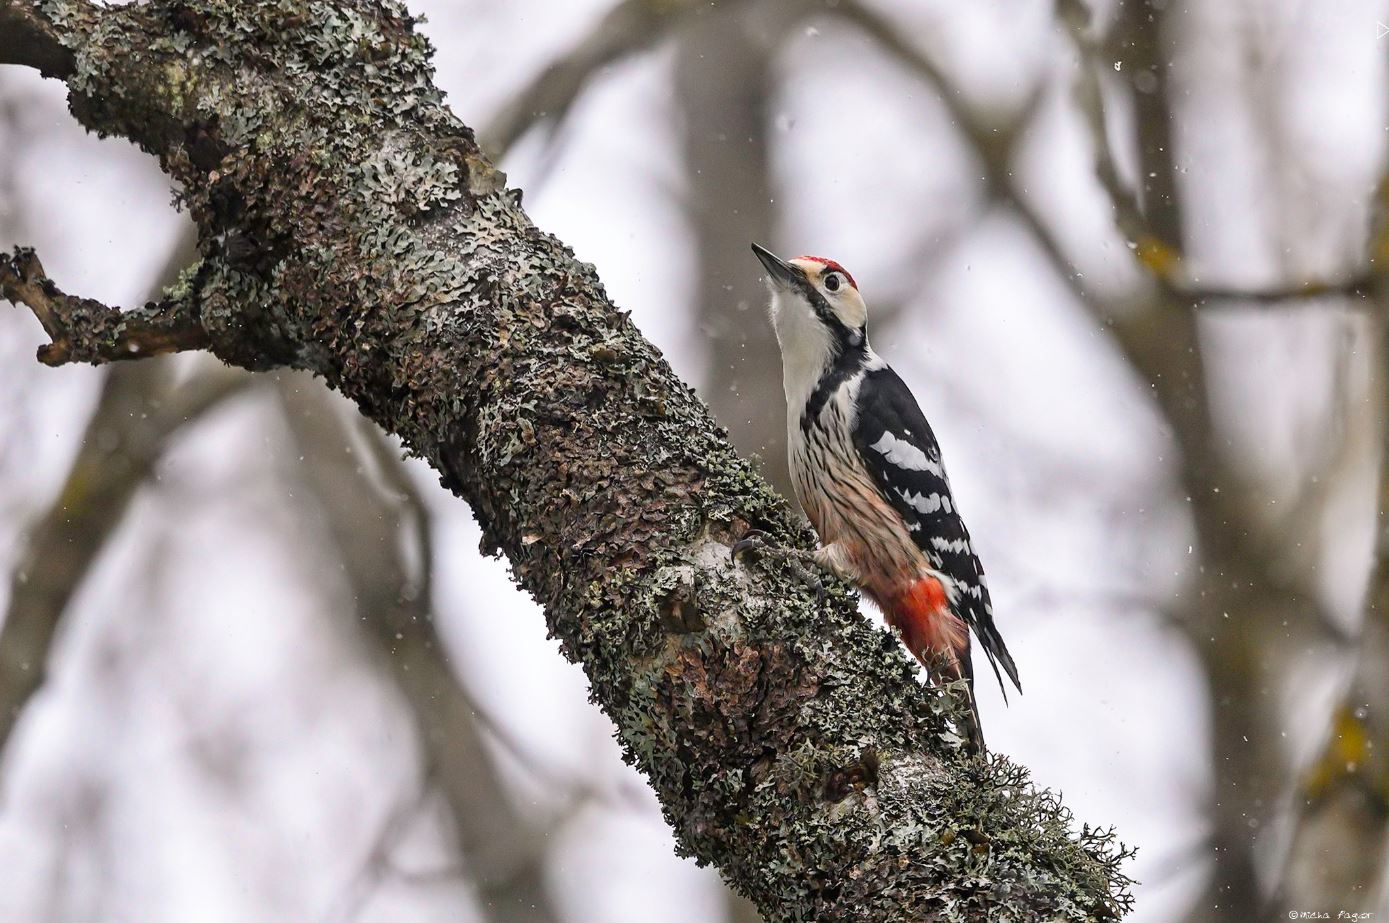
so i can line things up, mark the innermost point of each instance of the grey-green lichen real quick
(350, 225)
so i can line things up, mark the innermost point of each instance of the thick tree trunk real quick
(349, 225)
(723, 79)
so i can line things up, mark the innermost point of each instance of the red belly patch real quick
(922, 614)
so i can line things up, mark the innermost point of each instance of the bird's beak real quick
(780, 270)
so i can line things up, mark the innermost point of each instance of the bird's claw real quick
(755, 540)
(752, 540)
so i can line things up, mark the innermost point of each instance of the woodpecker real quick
(868, 472)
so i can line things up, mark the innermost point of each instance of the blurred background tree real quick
(1125, 253)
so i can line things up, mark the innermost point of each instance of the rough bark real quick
(349, 225)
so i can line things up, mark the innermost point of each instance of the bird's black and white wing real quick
(900, 451)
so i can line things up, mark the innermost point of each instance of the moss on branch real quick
(349, 225)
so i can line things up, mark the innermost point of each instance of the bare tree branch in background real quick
(1248, 619)
(993, 136)
(502, 852)
(9, 127)
(114, 461)
(376, 246)
(630, 27)
(1341, 818)
(1152, 226)
(1340, 825)
(1238, 617)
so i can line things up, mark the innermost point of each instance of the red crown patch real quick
(832, 266)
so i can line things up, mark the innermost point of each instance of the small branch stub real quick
(84, 330)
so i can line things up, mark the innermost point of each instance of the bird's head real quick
(815, 303)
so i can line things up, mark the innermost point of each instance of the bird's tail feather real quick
(973, 729)
(997, 652)
(940, 641)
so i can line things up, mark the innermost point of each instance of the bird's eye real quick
(832, 281)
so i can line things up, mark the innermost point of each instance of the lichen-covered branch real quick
(349, 225)
(83, 330)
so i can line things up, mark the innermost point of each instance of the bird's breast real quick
(846, 507)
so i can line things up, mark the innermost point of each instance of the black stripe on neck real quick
(850, 357)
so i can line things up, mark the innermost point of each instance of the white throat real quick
(806, 348)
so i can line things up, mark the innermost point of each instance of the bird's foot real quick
(754, 540)
(804, 565)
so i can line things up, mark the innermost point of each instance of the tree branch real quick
(1358, 289)
(1158, 249)
(992, 135)
(722, 81)
(1341, 805)
(83, 330)
(27, 39)
(788, 741)
(1246, 623)
(630, 27)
